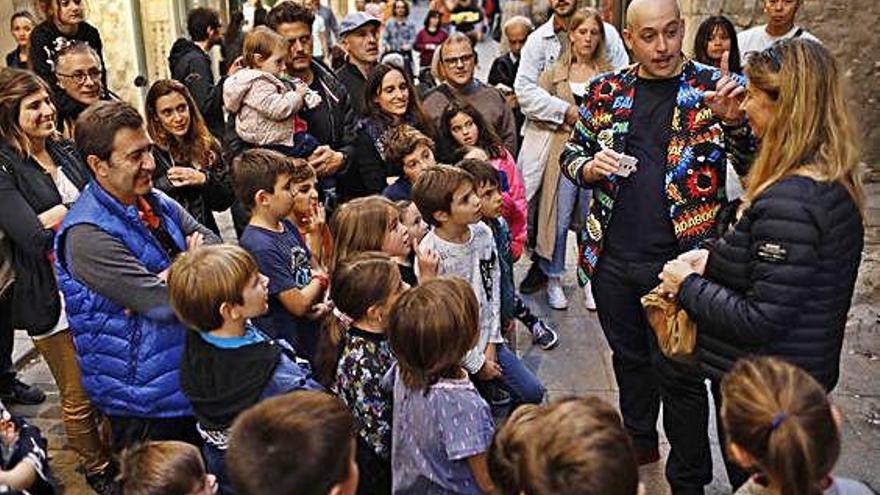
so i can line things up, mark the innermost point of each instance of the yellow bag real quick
(676, 332)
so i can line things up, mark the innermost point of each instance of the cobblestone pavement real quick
(581, 365)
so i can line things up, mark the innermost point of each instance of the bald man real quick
(678, 121)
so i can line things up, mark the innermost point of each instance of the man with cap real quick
(359, 34)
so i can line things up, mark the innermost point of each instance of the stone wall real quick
(847, 27)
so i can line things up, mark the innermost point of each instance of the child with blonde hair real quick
(442, 428)
(229, 364)
(266, 108)
(779, 423)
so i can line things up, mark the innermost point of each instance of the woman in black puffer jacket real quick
(780, 281)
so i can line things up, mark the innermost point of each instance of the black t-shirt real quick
(640, 228)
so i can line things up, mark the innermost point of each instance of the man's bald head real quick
(654, 33)
(640, 11)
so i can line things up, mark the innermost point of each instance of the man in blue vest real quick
(113, 251)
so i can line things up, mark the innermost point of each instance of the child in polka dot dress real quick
(441, 428)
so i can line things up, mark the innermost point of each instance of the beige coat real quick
(555, 80)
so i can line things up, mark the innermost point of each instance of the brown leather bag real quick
(676, 332)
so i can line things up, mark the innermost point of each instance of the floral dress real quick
(365, 359)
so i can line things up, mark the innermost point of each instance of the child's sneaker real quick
(544, 336)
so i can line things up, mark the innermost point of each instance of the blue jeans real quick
(522, 384)
(568, 196)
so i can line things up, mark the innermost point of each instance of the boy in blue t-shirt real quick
(264, 185)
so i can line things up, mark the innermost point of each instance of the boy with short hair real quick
(263, 184)
(489, 186)
(299, 443)
(411, 151)
(229, 364)
(447, 199)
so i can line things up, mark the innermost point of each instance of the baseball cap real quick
(354, 21)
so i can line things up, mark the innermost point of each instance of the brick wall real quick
(849, 28)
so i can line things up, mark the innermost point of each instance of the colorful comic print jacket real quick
(698, 153)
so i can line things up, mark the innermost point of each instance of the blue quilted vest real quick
(130, 363)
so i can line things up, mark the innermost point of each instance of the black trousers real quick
(7, 338)
(646, 378)
(735, 474)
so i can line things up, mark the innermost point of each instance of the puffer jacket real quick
(130, 363)
(265, 107)
(780, 282)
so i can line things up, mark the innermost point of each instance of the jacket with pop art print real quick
(696, 160)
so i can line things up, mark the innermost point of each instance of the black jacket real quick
(503, 71)
(13, 60)
(216, 194)
(46, 39)
(26, 190)
(353, 79)
(780, 282)
(191, 66)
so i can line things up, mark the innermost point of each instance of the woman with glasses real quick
(65, 23)
(780, 280)
(79, 76)
(41, 176)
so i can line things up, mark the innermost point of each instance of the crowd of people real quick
(356, 336)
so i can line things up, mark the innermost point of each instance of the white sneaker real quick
(555, 295)
(589, 302)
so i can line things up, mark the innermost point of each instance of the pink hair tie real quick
(343, 318)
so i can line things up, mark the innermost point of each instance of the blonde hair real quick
(811, 132)
(261, 41)
(161, 468)
(600, 54)
(432, 327)
(361, 225)
(781, 416)
(576, 446)
(200, 281)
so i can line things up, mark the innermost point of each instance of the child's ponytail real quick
(782, 418)
(790, 457)
(360, 282)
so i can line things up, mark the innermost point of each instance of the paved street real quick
(581, 365)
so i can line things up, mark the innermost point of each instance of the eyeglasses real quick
(80, 77)
(464, 60)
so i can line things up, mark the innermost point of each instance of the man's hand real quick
(571, 115)
(325, 161)
(604, 163)
(725, 101)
